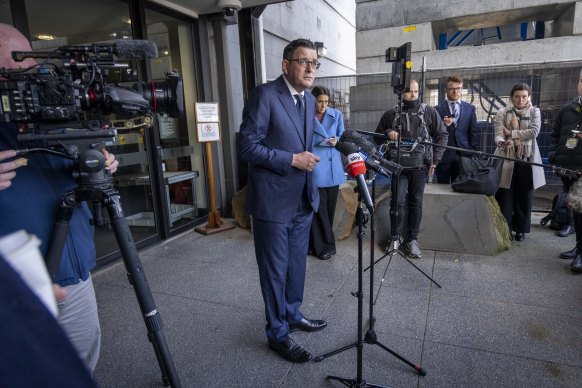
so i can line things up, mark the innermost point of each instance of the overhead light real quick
(166, 52)
(127, 21)
(321, 49)
(45, 37)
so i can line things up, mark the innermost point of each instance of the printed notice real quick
(208, 132)
(207, 112)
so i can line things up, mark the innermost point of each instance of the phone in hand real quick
(450, 116)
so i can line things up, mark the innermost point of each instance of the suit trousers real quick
(321, 237)
(281, 251)
(516, 202)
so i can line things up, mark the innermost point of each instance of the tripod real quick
(359, 344)
(393, 247)
(95, 185)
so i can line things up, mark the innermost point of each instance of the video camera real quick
(401, 66)
(49, 94)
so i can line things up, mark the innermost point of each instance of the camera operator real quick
(566, 152)
(28, 200)
(418, 122)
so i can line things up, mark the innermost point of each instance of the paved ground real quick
(512, 320)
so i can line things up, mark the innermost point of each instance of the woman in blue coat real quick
(328, 175)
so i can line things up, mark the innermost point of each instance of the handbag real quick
(478, 175)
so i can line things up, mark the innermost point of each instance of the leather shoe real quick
(519, 236)
(290, 351)
(576, 264)
(325, 256)
(566, 231)
(568, 255)
(308, 325)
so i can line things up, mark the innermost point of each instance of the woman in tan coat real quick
(516, 129)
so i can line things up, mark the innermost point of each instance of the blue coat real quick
(269, 136)
(464, 134)
(329, 171)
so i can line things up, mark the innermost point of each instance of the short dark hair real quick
(454, 78)
(319, 90)
(294, 45)
(520, 86)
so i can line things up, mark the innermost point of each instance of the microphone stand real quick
(359, 344)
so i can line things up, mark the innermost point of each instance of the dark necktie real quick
(299, 105)
(301, 111)
(455, 111)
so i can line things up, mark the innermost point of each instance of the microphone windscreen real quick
(135, 49)
(346, 148)
(352, 136)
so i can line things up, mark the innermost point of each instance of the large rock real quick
(453, 222)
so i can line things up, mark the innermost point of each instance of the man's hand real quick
(431, 169)
(393, 135)
(110, 163)
(305, 161)
(7, 168)
(449, 120)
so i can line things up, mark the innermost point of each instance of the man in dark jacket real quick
(461, 121)
(566, 152)
(418, 122)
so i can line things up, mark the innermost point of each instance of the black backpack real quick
(558, 217)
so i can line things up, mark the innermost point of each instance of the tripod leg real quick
(421, 271)
(137, 277)
(59, 233)
(419, 370)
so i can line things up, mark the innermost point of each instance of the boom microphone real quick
(372, 157)
(123, 48)
(357, 169)
(130, 49)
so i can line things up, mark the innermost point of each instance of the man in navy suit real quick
(461, 121)
(276, 140)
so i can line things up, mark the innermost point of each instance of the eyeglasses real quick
(455, 89)
(304, 62)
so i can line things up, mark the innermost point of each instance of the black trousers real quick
(410, 191)
(516, 202)
(321, 235)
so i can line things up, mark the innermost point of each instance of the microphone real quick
(123, 48)
(136, 48)
(372, 157)
(357, 169)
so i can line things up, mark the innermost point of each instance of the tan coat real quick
(533, 130)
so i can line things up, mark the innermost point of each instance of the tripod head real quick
(83, 145)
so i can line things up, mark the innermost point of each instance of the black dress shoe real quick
(568, 255)
(308, 325)
(325, 256)
(566, 231)
(290, 351)
(519, 236)
(576, 264)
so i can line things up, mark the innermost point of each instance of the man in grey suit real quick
(461, 121)
(276, 140)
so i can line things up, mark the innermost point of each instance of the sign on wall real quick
(207, 121)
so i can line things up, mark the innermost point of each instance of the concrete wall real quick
(551, 49)
(330, 22)
(371, 15)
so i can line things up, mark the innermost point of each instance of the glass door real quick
(182, 157)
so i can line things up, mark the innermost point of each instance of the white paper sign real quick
(207, 112)
(208, 132)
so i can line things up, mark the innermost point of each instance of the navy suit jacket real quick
(271, 132)
(464, 134)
